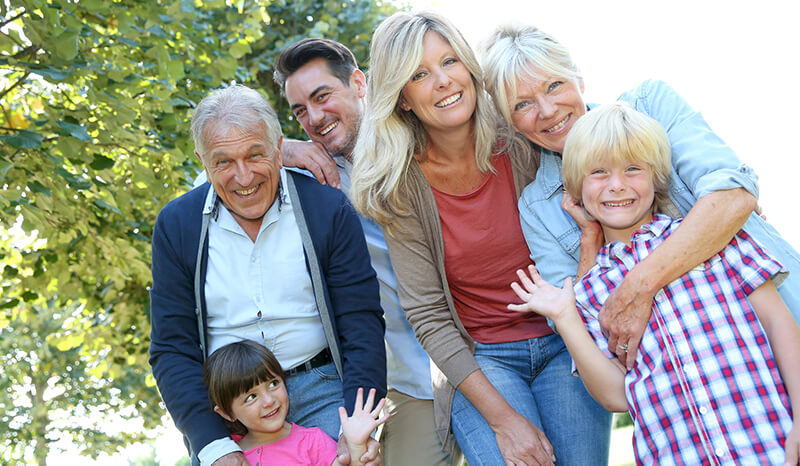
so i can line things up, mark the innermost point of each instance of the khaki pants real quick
(409, 438)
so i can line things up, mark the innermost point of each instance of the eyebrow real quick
(316, 91)
(257, 145)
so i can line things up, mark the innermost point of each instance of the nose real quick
(244, 175)
(547, 108)
(315, 115)
(616, 182)
(442, 79)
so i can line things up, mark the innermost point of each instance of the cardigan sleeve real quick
(175, 354)
(355, 300)
(422, 287)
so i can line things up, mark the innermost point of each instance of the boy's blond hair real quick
(617, 132)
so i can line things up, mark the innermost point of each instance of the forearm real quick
(783, 335)
(602, 376)
(707, 229)
(590, 246)
(486, 399)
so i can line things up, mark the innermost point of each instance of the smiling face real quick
(619, 195)
(263, 410)
(441, 92)
(545, 110)
(329, 111)
(244, 169)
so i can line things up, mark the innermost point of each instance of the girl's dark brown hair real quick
(235, 369)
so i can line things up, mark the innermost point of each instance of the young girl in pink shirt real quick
(245, 382)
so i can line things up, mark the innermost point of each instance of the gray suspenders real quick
(316, 274)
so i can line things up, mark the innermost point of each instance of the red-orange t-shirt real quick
(483, 248)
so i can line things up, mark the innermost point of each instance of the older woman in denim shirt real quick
(538, 90)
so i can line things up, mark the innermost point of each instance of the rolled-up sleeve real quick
(701, 159)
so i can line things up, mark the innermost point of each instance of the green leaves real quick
(96, 99)
(22, 139)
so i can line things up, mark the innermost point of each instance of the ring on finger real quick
(623, 347)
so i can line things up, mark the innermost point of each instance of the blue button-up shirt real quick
(701, 164)
(407, 364)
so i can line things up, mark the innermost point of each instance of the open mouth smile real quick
(328, 128)
(618, 203)
(247, 192)
(558, 126)
(449, 100)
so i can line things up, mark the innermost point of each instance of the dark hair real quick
(235, 369)
(340, 60)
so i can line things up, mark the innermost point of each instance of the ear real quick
(580, 84)
(280, 144)
(219, 411)
(359, 82)
(404, 104)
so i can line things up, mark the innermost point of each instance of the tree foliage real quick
(95, 102)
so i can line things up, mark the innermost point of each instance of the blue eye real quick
(554, 85)
(418, 75)
(521, 105)
(449, 61)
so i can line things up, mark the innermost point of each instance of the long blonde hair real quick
(389, 137)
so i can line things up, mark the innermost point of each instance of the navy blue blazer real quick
(350, 292)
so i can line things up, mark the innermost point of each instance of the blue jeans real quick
(534, 376)
(315, 397)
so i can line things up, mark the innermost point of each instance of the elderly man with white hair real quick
(268, 255)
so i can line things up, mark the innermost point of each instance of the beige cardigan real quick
(416, 249)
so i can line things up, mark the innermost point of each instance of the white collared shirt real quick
(261, 290)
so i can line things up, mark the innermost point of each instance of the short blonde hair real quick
(616, 132)
(390, 136)
(511, 52)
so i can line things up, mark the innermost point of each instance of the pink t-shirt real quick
(302, 447)
(483, 248)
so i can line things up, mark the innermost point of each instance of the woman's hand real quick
(624, 317)
(522, 443)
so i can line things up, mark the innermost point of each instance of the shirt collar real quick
(618, 249)
(549, 173)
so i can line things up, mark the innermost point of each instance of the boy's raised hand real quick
(541, 297)
(358, 427)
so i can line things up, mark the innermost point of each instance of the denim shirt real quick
(701, 164)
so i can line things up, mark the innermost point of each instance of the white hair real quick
(233, 106)
(512, 52)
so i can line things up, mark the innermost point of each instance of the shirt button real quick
(720, 452)
(703, 410)
(253, 259)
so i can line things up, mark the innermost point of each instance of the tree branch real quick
(19, 81)
(12, 19)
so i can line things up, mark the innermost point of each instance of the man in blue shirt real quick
(325, 90)
(263, 254)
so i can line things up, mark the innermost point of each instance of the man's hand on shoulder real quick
(234, 458)
(313, 157)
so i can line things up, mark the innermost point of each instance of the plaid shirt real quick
(705, 388)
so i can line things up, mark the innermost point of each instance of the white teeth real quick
(558, 126)
(245, 192)
(328, 128)
(618, 204)
(452, 99)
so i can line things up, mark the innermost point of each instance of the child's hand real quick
(541, 297)
(792, 446)
(359, 426)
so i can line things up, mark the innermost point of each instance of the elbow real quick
(619, 405)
